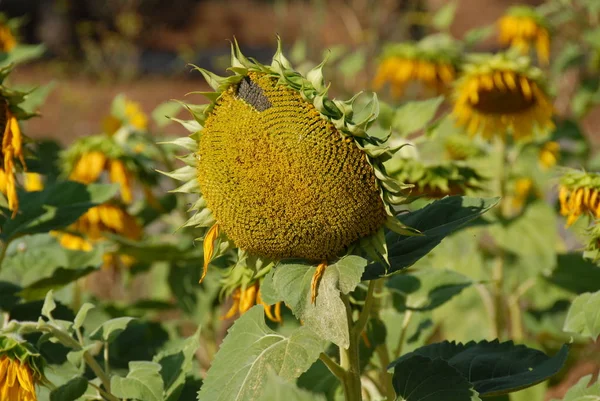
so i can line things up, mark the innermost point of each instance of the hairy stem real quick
(349, 360)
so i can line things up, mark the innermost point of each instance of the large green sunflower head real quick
(282, 170)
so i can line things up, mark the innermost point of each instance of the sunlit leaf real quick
(584, 315)
(143, 382)
(250, 351)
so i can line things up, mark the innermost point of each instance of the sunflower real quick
(523, 27)
(7, 39)
(33, 182)
(95, 224)
(522, 189)
(579, 193)
(90, 157)
(502, 93)
(12, 151)
(127, 113)
(21, 369)
(283, 171)
(434, 180)
(433, 62)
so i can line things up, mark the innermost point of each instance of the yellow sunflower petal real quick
(209, 248)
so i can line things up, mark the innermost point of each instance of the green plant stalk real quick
(407, 316)
(3, 253)
(349, 359)
(498, 271)
(70, 342)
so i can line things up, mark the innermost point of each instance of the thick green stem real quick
(498, 272)
(385, 377)
(349, 360)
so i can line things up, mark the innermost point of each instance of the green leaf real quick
(61, 266)
(71, 390)
(571, 55)
(492, 368)
(163, 111)
(49, 305)
(21, 54)
(414, 116)
(419, 378)
(523, 237)
(581, 391)
(327, 317)
(575, 274)
(111, 329)
(57, 206)
(8, 295)
(250, 351)
(584, 315)
(476, 35)
(426, 289)
(444, 17)
(143, 382)
(280, 389)
(435, 221)
(60, 278)
(175, 363)
(319, 379)
(81, 315)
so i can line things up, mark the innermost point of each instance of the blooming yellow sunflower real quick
(433, 62)
(522, 27)
(579, 193)
(500, 94)
(21, 368)
(282, 170)
(126, 113)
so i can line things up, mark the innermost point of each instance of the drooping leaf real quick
(109, 330)
(492, 368)
(584, 315)
(71, 390)
(414, 116)
(143, 382)
(82, 314)
(250, 351)
(175, 363)
(581, 392)
(435, 221)
(56, 206)
(419, 378)
(327, 317)
(426, 289)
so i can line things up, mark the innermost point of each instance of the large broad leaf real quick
(291, 283)
(143, 382)
(426, 289)
(581, 391)
(436, 221)
(71, 390)
(145, 251)
(422, 379)
(250, 351)
(61, 266)
(175, 362)
(575, 274)
(584, 315)
(414, 116)
(57, 206)
(280, 389)
(492, 368)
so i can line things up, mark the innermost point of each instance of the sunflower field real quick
(411, 215)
